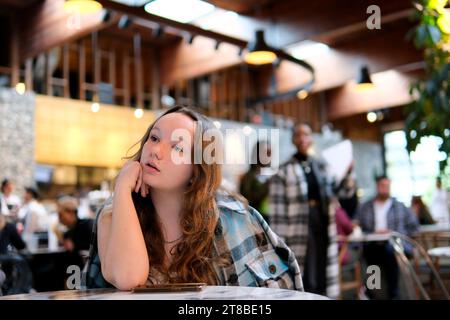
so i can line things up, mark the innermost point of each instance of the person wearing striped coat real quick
(302, 215)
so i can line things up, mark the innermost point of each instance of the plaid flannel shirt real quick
(289, 214)
(257, 256)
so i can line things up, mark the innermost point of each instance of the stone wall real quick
(17, 138)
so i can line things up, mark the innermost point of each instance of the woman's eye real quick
(154, 138)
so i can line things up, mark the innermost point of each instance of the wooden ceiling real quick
(20, 4)
(246, 7)
(340, 24)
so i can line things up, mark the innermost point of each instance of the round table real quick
(440, 252)
(367, 237)
(208, 293)
(434, 228)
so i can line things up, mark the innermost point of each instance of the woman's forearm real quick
(125, 260)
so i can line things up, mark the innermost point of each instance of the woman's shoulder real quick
(230, 202)
(106, 208)
(234, 210)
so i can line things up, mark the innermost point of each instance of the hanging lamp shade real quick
(259, 51)
(82, 6)
(364, 81)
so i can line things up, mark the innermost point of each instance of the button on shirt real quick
(381, 210)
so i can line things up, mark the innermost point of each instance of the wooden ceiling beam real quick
(171, 25)
(45, 25)
(289, 22)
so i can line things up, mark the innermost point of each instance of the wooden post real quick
(155, 79)
(48, 74)
(81, 70)
(29, 74)
(244, 93)
(112, 68)
(95, 62)
(126, 79)
(138, 70)
(14, 53)
(66, 70)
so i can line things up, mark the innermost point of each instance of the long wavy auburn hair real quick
(193, 256)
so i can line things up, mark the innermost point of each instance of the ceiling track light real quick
(124, 22)
(191, 38)
(271, 54)
(158, 32)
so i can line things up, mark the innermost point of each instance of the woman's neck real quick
(168, 207)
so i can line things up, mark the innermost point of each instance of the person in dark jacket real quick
(78, 236)
(9, 236)
(255, 183)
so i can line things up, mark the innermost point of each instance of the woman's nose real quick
(159, 150)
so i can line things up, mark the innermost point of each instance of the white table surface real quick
(367, 237)
(440, 252)
(434, 228)
(208, 293)
(46, 250)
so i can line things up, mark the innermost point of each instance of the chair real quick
(350, 267)
(413, 284)
(18, 277)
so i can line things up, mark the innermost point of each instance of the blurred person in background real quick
(440, 201)
(78, 235)
(348, 195)
(9, 236)
(10, 203)
(255, 183)
(421, 211)
(33, 215)
(382, 215)
(344, 227)
(302, 215)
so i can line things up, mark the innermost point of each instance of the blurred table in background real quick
(440, 252)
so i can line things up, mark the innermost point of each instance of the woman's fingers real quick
(143, 190)
(143, 194)
(139, 181)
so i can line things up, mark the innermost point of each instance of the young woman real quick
(169, 222)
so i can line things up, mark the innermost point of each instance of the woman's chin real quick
(150, 181)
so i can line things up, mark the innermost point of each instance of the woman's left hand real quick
(142, 186)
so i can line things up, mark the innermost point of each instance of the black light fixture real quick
(191, 38)
(106, 15)
(158, 32)
(259, 51)
(216, 46)
(364, 81)
(124, 22)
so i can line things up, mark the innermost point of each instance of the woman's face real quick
(169, 143)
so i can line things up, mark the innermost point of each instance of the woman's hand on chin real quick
(131, 178)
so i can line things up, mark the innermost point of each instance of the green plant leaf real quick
(434, 34)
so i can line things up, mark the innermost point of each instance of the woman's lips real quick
(151, 168)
